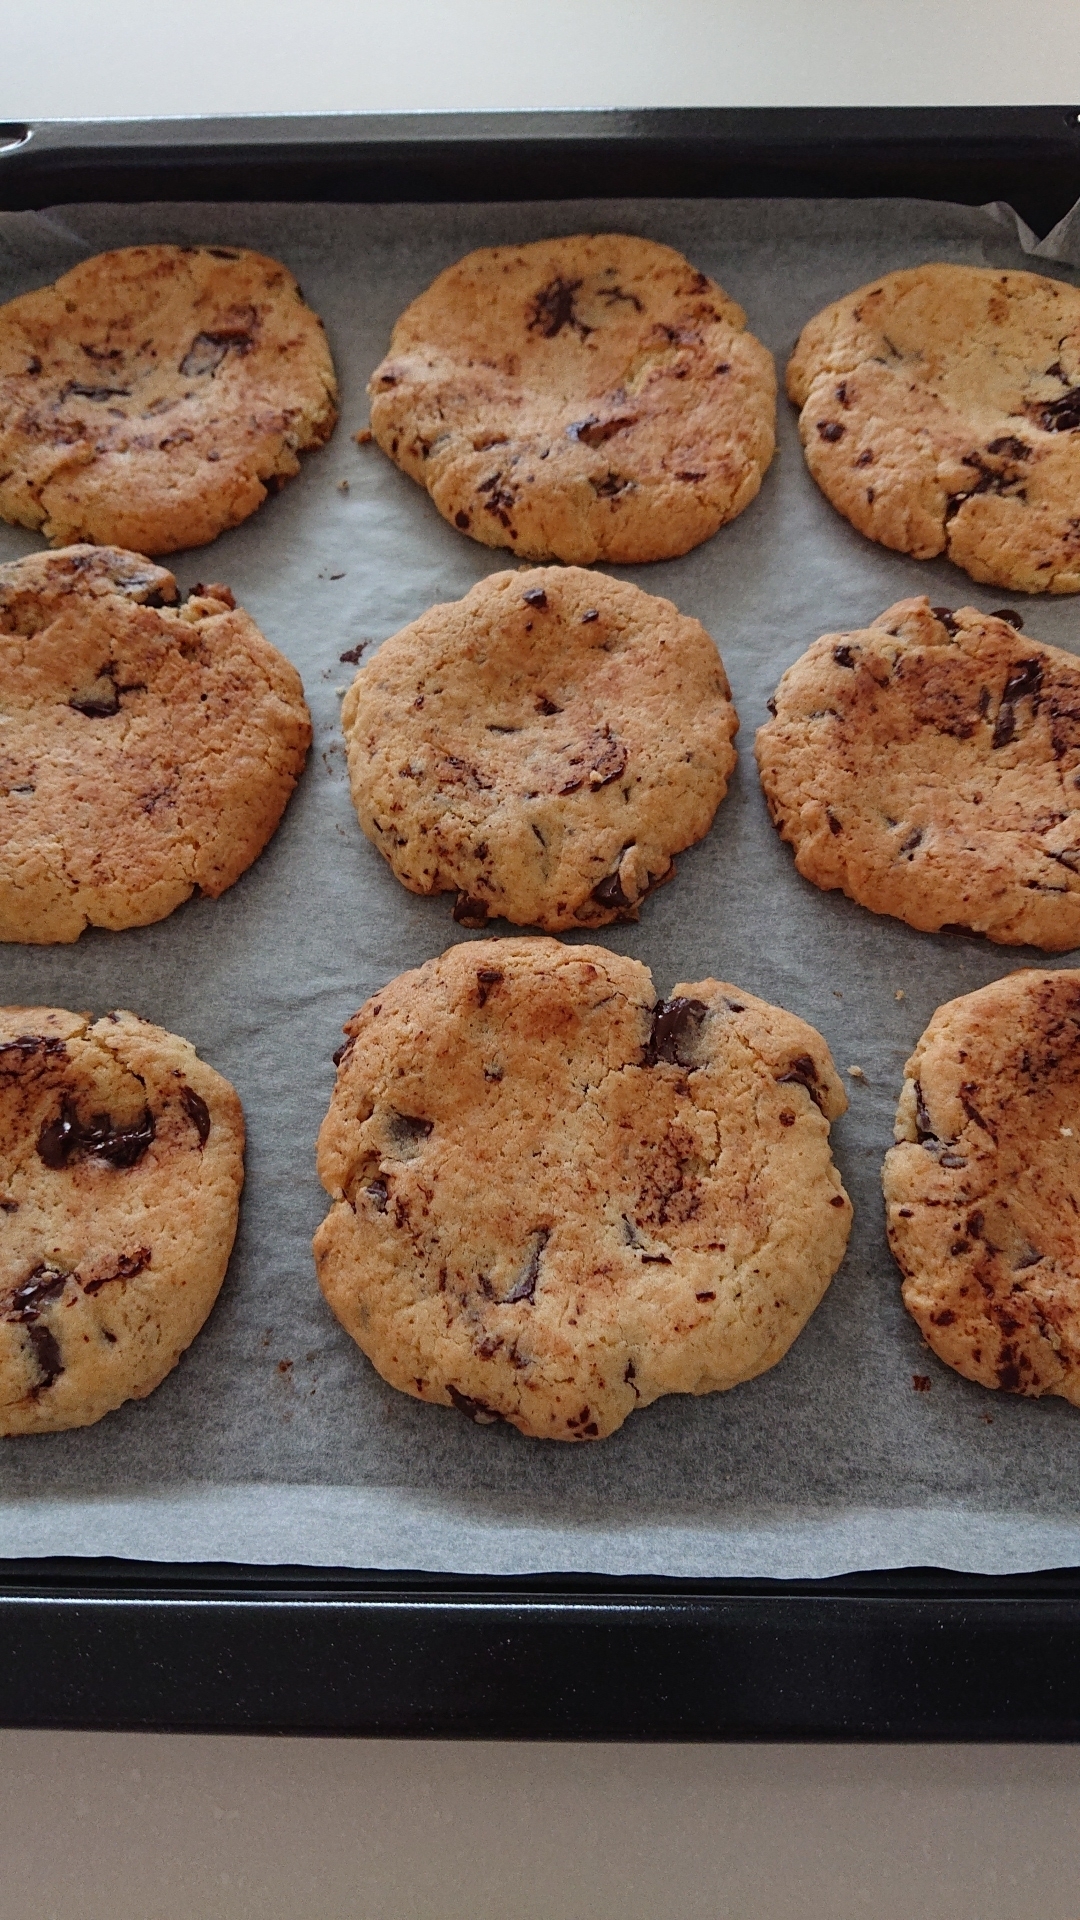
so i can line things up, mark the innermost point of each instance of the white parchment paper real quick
(274, 1440)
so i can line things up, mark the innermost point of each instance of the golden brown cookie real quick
(145, 749)
(556, 1198)
(154, 396)
(930, 766)
(121, 1164)
(543, 747)
(588, 398)
(982, 1187)
(940, 413)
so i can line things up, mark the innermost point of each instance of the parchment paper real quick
(274, 1440)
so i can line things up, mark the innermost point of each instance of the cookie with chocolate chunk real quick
(146, 748)
(542, 747)
(930, 766)
(981, 1186)
(940, 413)
(121, 1164)
(155, 395)
(587, 398)
(556, 1198)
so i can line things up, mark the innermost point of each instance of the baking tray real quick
(915, 1654)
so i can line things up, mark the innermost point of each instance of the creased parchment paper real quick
(274, 1440)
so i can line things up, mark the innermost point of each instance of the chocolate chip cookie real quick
(930, 766)
(982, 1186)
(121, 1164)
(155, 395)
(940, 413)
(556, 1198)
(587, 398)
(146, 748)
(542, 747)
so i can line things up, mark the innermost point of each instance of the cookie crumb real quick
(900, 994)
(364, 437)
(343, 486)
(856, 1073)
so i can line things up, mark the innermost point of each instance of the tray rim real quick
(900, 1655)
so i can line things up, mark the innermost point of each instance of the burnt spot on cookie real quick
(553, 308)
(675, 1031)
(67, 1137)
(126, 1268)
(197, 1112)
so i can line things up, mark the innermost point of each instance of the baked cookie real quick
(930, 766)
(544, 746)
(940, 414)
(121, 1164)
(145, 749)
(557, 1198)
(589, 398)
(154, 396)
(981, 1189)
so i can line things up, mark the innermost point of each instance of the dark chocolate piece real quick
(127, 1266)
(61, 1139)
(197, 1112)
(535, 597)
(524, 1287)
(469, 911)
(676, 1026)
(476, 1410)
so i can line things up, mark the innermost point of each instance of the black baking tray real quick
(916, 1654)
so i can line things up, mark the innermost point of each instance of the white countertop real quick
(129, 1827)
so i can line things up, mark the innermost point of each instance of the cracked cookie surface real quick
(579, 399)
(145, 749)
(940, 413)
(154, 395)
(543, 747)
(929, 765)
(556, 1198)
(121, 1164)
(981, 1189)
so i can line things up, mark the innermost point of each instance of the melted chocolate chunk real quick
(676, 1026)
(197, 1112)
(469, 911)
(830, 429)
(524, 1287)
(47, 1354)
(609, 486)
(29, 1044)
(590, 614)
(61, 1139)
(80, 392)
(923, 1125)
(609, 893)
(98, 706)
(592, 431)
(1008, 444)
(843, 656)
(1024, 683)
(602, 758)
(535, 597)
(486, 979)
(553, 309)
(342, 1053)
(39, 1290)
(208, 350)
(1007, 613)
(127, 1266)
(378, 1194)
(1060, 416)
(802, 1072)
(351, 655)
(945, 615)
(476, 1410)
(407, 1129)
